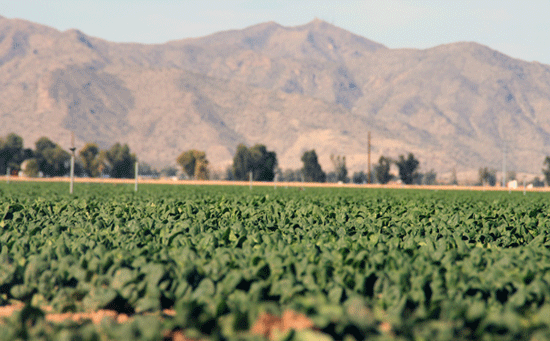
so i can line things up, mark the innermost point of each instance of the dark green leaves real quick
(360, 263)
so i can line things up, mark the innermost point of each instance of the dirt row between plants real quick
(267, 325)
(271, 184)
(94, 316)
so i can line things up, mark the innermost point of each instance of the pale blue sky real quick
(519, 28)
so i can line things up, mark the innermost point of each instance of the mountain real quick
(455, 106)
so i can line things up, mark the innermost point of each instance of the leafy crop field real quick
(214, 263)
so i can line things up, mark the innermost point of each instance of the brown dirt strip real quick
(267, 325)
(94, 316)
(272, 184)
(8, 310)
(270, 326)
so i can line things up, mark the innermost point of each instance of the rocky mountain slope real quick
(455, 106)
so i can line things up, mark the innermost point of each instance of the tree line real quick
(488, 176)
(260, 164)
(49, 159)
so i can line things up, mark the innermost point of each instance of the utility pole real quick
(72, 149)
(369, 173)
(8, 173)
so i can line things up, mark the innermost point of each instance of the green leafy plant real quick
(361, 264)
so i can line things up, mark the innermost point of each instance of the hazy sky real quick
(519, 28)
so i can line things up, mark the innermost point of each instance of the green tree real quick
(407, 168)
(312, 169)
(537, 182)
(257, 160)
(229, 173)
(241, 163)
(44, 143)
(487, 176)
(546, 170)
(52, 159)
(194, 164)
(89, 157)
(359, 177)
(11, 152)
(263, 163)
(169, 171)
(430, 178)
(31, 168)
(148, 170)
(120, 162)
(332, 177)
(201, 170)
(291, 175)
(339, 163)
(382, 170)
(187, 162)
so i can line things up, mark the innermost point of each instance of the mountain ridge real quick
(292, 88)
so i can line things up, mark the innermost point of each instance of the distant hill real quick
(454, 106)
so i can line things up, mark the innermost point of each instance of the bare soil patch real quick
(270, 326)
(267, 325)
(94, 316)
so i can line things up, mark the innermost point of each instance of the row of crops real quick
(359, 263)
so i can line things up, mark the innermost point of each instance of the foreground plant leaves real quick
(358, 264)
